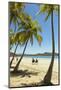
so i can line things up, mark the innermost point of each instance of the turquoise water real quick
(42, 57)
(56, 57)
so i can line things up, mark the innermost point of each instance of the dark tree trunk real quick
(13, 55)
(47, 78)
(11, 47)
(15, 48)
(17, 65)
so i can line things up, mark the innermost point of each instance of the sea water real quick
(45, 57)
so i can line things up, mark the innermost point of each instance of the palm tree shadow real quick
(23, 73)
(27, 73)
(42, 83)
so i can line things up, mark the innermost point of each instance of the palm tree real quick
(31, 29)
(49, 9)
(12, 42)
(15, 9)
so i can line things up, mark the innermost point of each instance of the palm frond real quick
(47, 15)
(39, 39)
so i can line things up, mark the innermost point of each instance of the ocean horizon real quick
(38, 57)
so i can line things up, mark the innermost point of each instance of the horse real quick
(33, 60)
(36, 61)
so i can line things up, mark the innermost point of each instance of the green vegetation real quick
(27, 30)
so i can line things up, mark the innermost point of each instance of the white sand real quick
(34, 72)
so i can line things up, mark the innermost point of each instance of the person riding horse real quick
(36, 61)
(33, 61)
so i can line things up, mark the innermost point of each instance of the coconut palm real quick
(24, 18)
(15, 9)
(49, 10)
(12, 43)
(31, 29)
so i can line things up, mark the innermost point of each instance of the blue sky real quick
(46, 45)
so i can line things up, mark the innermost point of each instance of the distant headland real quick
(38, 54)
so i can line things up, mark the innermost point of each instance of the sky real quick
(46, 44)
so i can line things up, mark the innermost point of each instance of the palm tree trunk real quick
(13, 55)
(48, 75)
(15, 48)
(17, 65)
(11, 47)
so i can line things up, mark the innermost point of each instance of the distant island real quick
(43, 54)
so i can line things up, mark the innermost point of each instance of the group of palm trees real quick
(26, 29)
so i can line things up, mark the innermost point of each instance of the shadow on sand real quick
(27, 73)
(42, 83)
(23, 73)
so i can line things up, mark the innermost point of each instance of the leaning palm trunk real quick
(47, 78)
(17, 65)
(15, 48)
(13, 55)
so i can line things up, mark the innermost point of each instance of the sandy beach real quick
(32, 73)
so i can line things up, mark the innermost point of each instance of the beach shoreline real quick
(33, 73)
